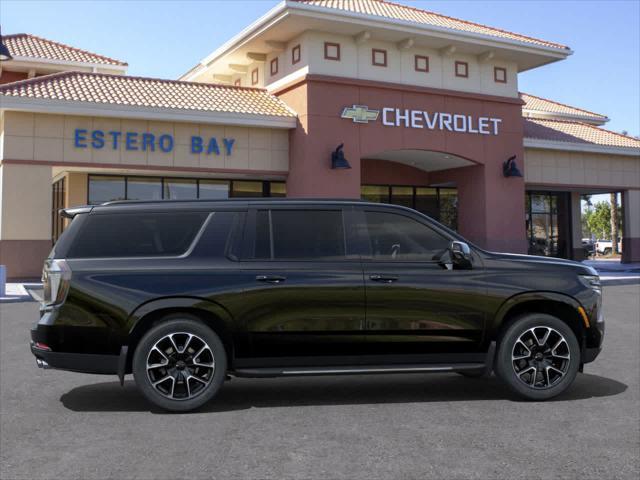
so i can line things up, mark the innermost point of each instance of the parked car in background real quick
(588, 245)
(605, 247)
(184, 294)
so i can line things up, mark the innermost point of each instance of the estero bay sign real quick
(403, 117)
(136, 141)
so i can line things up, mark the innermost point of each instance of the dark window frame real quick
(273, 66)
(495, 74)
(460, 63)
(296, 54)
(326, 51)
(416, 58)
(374, 51)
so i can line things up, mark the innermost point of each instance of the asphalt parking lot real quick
(57, 424)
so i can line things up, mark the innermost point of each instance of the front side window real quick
(136, 235)
(299, 235)
(394, 237)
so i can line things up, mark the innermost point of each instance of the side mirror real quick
(457, 256)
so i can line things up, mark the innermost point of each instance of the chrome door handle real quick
(383, 278)
(271, 278)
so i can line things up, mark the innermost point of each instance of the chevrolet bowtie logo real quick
(360, 114)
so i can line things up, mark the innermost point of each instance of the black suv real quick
(184, 294)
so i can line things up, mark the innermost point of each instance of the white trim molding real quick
(92, 109)
(581, 147)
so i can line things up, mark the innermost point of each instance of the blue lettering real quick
(132, 141)
(165, 142)
(80, 137)
(148, 140)
(213, 146)
(228, 144)
(196, 144)
(97, 137)
(115, 136)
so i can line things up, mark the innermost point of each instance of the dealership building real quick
(425, 110)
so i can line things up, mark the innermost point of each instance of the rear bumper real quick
(76, 362)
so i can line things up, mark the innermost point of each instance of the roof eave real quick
(68, 107)
(68, 63)
(548, 115)
(536, 143)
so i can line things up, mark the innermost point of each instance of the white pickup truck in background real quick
(605, 247)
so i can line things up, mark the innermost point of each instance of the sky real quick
(166, 38)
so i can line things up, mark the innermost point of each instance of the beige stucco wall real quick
(554, 167)
(355, 62)
(50, 138)
(632, 213)
(76, 189)
(25, 198)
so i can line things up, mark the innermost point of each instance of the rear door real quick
(414, 304)
(304, 291)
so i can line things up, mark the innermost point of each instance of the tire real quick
(554, 355)
(188, 355)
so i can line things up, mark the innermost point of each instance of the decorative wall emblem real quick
(360, 114)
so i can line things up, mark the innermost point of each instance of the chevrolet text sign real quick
(402, 117)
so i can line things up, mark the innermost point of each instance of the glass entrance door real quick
(548, 223)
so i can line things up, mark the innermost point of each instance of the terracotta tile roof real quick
(395, 11)
(575, 132)
(148, 92)
(27, 45)
(545, 105)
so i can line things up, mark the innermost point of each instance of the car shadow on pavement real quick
(241, 394)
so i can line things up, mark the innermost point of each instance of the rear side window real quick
(299, 235)
(136, 234)
(395, 237)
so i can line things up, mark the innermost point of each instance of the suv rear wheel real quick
(180, 364)
(538, 356)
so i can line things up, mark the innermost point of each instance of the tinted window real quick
(300, 235)
(105, 189)
(143, 188)
(136, 234)
(398, 238)
(221, 236)
(180, 189)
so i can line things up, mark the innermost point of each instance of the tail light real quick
(56, 277)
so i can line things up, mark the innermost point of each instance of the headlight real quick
(592, 282)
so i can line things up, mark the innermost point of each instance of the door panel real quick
(304, 289)
(413, 304)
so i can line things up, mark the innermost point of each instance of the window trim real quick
(460, 63)
(273, 71)
(373, 57)
(416, 58)
(296, 54)
(495, 74)
(255, 77)
(326, 49)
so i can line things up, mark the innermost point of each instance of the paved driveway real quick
(63, 425)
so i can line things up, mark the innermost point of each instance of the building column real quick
(577, 252)
(25, 219)
(490, 207)
(631, 239)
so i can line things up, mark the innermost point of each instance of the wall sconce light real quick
(510, 169)
(338, 162)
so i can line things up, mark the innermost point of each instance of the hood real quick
(578, 267)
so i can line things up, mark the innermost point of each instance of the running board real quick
(354, 370)
(485, 367)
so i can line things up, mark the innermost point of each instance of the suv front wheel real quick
(538, 356)
(180, 364)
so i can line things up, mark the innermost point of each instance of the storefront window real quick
(214, 189)
(180, 189)
(278, 189)
(402, 196)
(105, 189)
(448, 198)
(247, 189)
(144, 188)
(547, 223)
(374, 193)
(441, 204)
(427, 201)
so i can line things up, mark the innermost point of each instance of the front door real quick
(304, 291)
(414, 304)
